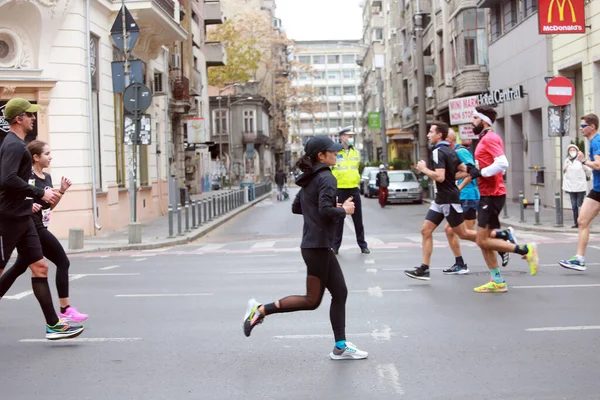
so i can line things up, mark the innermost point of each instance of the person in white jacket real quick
(574, 180)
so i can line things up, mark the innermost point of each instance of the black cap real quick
(319, 144)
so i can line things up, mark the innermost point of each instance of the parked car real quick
(364, 179)
(404, 187)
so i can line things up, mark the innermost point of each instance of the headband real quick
(482, 117)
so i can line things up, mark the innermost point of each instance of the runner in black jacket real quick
(317, 203)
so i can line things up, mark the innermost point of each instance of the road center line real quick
(260, 272)
(165, 295)
(556, 286)
(132, 339)
(388, 373)
(109, 267)
(369, 261)
(564, 328)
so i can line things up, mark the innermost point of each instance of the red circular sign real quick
(560, 91)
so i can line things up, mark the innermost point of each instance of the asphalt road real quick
(167, 324)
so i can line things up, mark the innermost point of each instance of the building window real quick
(333, 107)
(334, 75)
(348, 74)
(511, 12)
(335, 123)
(249, 121)
(377, 34)
(319, 74)
(496, 21)
(348, 58)
(319, 123)
(349, 90)
(304, 59)
(304, 76)
(219, 122)
(529, 7)
(318, 60)
(335, 91)
(405, 92)
(471, 41)
(306, 123)
(158, 82)
(349, 107)
(321, 91)
(333, 59)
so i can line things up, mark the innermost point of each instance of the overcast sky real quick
(320, 19)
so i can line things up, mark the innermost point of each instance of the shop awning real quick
(402, 136)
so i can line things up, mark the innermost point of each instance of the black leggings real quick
(323, 272)
(53, 251)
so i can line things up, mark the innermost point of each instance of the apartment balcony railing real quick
(181, 88)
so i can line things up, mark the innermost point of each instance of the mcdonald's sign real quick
(561, 16)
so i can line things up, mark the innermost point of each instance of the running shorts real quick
(452, 212)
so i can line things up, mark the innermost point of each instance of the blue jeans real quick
(576, 202)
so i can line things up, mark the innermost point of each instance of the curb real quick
(534, 228)
(187, 238)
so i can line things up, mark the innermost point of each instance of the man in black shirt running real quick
(447, 168)
(17, 229)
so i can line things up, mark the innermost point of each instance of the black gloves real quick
(473, 171)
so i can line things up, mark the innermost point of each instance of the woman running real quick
(51, 247)
(317, 203)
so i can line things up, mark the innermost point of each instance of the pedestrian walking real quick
(492, 164)
(382, 182)
(280, 181)
(51, 247)
(316, 202)
(575, 180)
(447, 168)
(591, 204)
(346, 173)
(17, 229)
(469, 202)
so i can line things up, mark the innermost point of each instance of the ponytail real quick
(306, 163)
(36, 147)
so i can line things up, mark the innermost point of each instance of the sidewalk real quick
(155, 232)
(547, 219)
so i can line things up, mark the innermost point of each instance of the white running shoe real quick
(350, 352)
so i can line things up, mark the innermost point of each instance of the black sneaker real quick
(512, 237)
(365, 250)
(336, 251)
(418, 273)
(505, 258)
(252, 317)
(456, 270)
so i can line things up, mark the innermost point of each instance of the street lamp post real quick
(420, 83)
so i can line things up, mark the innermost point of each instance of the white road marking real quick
(19, 296)
(376, 291)
(556, 264)
(388, 373)
(564, 328)
(165, 295)
(140, 259)
(132, 339)
(595, 247)
(556, 286)
(419, 239)
(525, 237)
(374, 334)
(261, 272)
(159, 250)
(369, 261)
(212, 247)
(109, 267)
(350, 224)
(383, 334)
(74, 277)
(372, 270)
(374, 241)
(263, 245)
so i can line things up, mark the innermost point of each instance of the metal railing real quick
(199, 212)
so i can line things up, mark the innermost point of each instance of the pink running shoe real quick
(72, 315)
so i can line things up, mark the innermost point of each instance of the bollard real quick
(522, 206)
(536, 206)
(187, 217)
(204, 211)
(213, 207)
(218, 205)
(559, 211)
(246, 194)
(171, 221)
(179, 227)
(199, 205)
(505, 210)
(193, 208)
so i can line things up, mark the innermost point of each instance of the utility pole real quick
(422, 145)
(384, 155)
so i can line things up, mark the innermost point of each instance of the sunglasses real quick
(582, 126)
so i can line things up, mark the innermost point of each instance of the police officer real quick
(348, 179)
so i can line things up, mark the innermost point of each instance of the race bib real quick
(46, 217)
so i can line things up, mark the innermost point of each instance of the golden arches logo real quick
(561, 10)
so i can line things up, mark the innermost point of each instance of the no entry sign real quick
(560, 91)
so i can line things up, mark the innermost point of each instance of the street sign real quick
(560, 91)
(196, 130)
(137, 97)
(131, 27)
(466, 132)
(374, 120)
(556, 128)
(142, 130)
(561, 16)
(118, 74)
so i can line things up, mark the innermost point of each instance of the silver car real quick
(404, 188)
(364, 179)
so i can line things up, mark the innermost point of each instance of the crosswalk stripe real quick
(374, 241)
(263, 245)
(212, 247)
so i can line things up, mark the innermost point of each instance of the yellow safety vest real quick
(346, 169)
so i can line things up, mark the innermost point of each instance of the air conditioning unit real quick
(175, 61)
(429, 91)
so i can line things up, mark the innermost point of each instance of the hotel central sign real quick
(461, 109)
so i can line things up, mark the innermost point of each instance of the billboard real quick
(461, 109)
(561, 16)
(196, 130)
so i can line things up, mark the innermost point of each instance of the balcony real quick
(153, 16)
(215, 54)
(258, 137)
(181, 89)
(212, 13)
